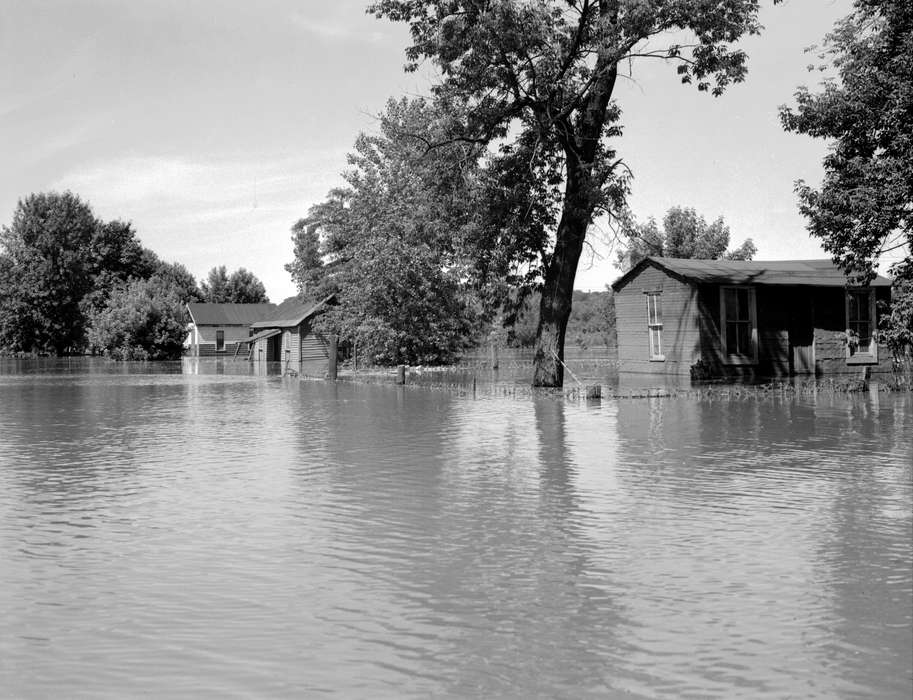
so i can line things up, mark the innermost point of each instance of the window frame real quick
(655, 324)
(732, 358)
(220, 340)
(869, 355)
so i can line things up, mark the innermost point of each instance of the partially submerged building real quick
(287, 335)
(217, 330)
(722, 318)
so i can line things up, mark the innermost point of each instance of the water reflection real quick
(232, 534)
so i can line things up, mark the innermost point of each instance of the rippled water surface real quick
(219, 535)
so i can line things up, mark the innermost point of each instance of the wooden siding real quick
(681, 329)
(203, 341)
(313, 348)
(301, 344)
(800, 330)
(830, 327)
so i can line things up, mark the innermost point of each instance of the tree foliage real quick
(541, 76)
(394, 244)
(241, 287)
(862, 208)
(684, 234)
(592, 321)
(60, 267)
(142, 320)
(60, 264)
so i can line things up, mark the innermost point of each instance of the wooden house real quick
(219, 330)
(286, 334)
(717, 318)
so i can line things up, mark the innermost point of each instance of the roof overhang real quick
(264, 334)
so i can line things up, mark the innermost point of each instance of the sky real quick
(214, 126)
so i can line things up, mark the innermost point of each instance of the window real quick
(860, 326)
(220, 341)
(655, 325)
(739, 325)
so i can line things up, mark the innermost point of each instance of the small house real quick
(717, 318)
(286, 335)
(217, 330)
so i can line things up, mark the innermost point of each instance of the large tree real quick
(684, 234)
(61, 263)
(544, 73)
(241, 287)
(391, 244)
(245, 288)
(862, 209)
(142, 320)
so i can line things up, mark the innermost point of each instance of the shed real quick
(286, 335)
(722, 318)
(222, 329)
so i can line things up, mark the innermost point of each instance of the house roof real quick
(290, 313)
(814, 273)
(228, 314)
(268, 333)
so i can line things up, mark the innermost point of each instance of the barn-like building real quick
(287, 336)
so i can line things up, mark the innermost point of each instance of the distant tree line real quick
(72, 283)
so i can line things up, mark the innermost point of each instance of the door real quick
(274, 348)
(802, 336)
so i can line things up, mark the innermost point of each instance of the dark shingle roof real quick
(290, 313)
(816, 273)
(229, 314)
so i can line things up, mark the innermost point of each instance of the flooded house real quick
(286, 334)
(218, 330)
(719, 318)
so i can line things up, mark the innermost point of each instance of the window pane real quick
(742, 296)
(656, 347)
(654, 309)
(744, 335)
(730, 302)
(862, 302)
(731, 335)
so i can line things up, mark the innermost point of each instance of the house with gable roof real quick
(723, 318)
(219, 330)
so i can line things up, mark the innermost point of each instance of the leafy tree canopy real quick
(393, 244)
(684, 234)
(143, 320)
(861, 211)
(862, 208)
(61, 262)
(241, 287)
(540, 76)
(245, 288)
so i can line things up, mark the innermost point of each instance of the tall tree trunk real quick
(557, 291)
(581, 145)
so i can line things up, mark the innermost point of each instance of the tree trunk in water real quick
(580, 140)
(558, 290)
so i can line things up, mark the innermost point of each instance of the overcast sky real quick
(214, 126)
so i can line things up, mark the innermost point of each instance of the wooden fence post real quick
(401, 374)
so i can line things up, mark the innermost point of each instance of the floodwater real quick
(171, 534)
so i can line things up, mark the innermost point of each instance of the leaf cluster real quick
(684, 234)
(143, 320)
(862, 208)
(240, 287)
(60, 265)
